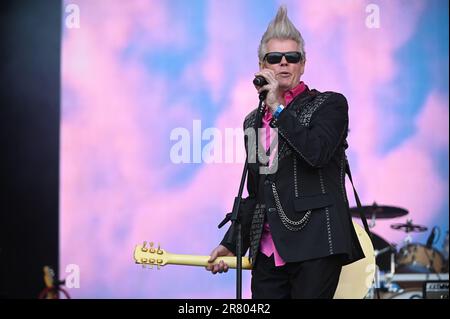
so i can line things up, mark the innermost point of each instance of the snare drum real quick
(417, 258)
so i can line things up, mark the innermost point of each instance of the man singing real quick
(296, 220)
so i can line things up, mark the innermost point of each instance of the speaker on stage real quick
(435, 289)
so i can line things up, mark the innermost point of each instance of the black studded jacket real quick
(304, 200)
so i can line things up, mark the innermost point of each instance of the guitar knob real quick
(159, 252)
(144, 249)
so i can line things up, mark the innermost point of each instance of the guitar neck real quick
(354, 281)
(194, 260)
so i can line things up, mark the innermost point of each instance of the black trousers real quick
(312, 279)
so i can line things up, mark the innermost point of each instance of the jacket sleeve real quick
(246, 210)
(316, 143)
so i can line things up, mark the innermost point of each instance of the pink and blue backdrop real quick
(136, 70)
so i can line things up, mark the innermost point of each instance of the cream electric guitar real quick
(354, 281)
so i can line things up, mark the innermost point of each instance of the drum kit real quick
(403, 270)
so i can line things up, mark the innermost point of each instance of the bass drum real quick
(417, 258)
(445, 252)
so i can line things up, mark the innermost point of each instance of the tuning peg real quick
(159, 250)
(144, 249)
(152, 250)
(159, 267)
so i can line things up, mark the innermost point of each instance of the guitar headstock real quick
(49, 276)
(149, 255)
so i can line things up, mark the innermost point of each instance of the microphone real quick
(260, 81)
(430, 239)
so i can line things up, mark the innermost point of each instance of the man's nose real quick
(283, 61)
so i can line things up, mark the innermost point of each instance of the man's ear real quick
(302, 68)
(261, 65)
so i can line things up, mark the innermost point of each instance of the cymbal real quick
(380, 212)
(409, 227)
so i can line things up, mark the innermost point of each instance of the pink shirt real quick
(267, 246)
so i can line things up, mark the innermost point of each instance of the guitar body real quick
(357, 278)
(354, 282)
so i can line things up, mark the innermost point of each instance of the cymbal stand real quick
(408, 238)
(372, 220)
(374, 291)
(390, 286)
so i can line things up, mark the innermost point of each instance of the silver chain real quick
(288, 223)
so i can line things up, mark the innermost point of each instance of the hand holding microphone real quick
(268, 88)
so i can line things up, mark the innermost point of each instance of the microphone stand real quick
(233, 216)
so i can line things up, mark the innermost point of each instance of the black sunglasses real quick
(275, 57)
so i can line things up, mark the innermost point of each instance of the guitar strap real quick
(358, 202)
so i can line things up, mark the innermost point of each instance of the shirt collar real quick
(291, 94)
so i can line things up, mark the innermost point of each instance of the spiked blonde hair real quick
(281, 28)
